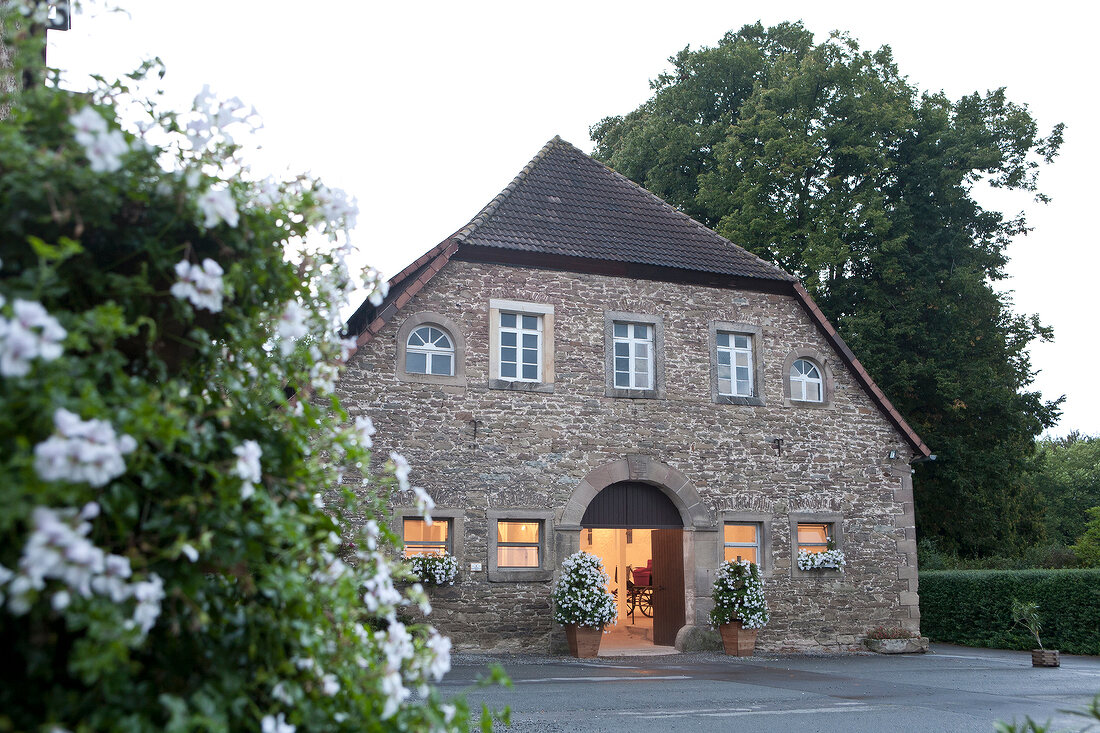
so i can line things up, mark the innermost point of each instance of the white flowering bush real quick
(581, 596)
(833, 559)
(434, 569)
(175, 550)
(739, 595)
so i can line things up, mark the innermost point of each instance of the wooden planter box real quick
(1045, 658)
(737, 641)
(584, 641)
(898, 646)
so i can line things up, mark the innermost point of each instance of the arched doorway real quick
(638, 532)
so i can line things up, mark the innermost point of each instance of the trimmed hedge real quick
(973, 607)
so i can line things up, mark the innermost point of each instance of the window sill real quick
(519, 575)
(453, 381)
(725, 399)
(798, 573)
(632, 394)
(515, 386)
(804, 403)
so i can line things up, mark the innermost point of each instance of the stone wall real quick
(477, 449)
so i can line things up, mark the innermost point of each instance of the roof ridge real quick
(490, 208)
(697, 224)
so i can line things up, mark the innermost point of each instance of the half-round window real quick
(806, 384)
(430, 350)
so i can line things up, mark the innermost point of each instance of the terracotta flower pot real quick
(584, 641)
(1045, 658)
(738, 641)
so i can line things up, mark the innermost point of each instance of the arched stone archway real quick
(699, 523)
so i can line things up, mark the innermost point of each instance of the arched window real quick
(806, 384)
(430, 350)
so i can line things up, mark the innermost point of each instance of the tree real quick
(176, 546)
(1068, 478)
(1087, 548)
(822, 158)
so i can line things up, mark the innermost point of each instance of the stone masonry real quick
(478, 449)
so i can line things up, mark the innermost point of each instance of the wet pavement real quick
(949, 689)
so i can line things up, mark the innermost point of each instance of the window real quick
(806, 382)
(814, 532)
(813, 536)
(518, 544)
(521, 348)
(429, 351)
(735, 370)
(424, 539)
(633, 355)
(742, 541)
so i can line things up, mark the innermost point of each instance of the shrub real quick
(581, 596)
(1088, 545)
(974, 607)
(169, 539)
(739, 595)
(434, 569)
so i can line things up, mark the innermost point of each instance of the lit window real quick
(742, 541)
(805, 381)
(424, 539)
(429, 350)
(814, 536)
(520, 347)
(518, 544)
(735, 368)
(633, 343)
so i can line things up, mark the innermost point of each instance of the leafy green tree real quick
(1087, 548)
(822, 158)
(1068, 478)
(178, 550)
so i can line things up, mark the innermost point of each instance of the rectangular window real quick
(424, 539)
(814, 536)
(520, 347)
(742, 540)
(518, 543)
(735, 364)
(633, 355)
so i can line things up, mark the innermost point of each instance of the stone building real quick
(583, 366)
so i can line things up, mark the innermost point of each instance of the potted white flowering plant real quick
(832, 559)
(739, 606)
(434, 569)
(582, 603)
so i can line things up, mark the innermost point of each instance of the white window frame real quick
(544, 333)
(799, 394)
(632, 342)
(520, 331)
(430, 351)
(733, 351)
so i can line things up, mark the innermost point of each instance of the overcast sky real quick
(425, 110)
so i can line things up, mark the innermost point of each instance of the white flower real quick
(60, 600)
(82, 451)
(190, 553)
(202, 285)
(395, 693)
(104, 154)
(379, 287)
(400, 469)
(292, 326)
(148, 594)
(33, 333)
(273, 724)
(217, 205)
(424, 504)
(439, 648)
(248, 466)
(329, 685)
(88, 124)
(364, 429)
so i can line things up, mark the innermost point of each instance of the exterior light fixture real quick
(893, 454)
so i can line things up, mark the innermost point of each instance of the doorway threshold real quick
(649, 650)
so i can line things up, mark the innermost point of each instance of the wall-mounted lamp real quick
(892, 455)
(778, 443)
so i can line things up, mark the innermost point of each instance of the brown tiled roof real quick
(564, 203)
(564, 207)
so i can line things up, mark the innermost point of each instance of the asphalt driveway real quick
(949, 689)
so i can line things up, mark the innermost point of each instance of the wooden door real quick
(668, 585)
